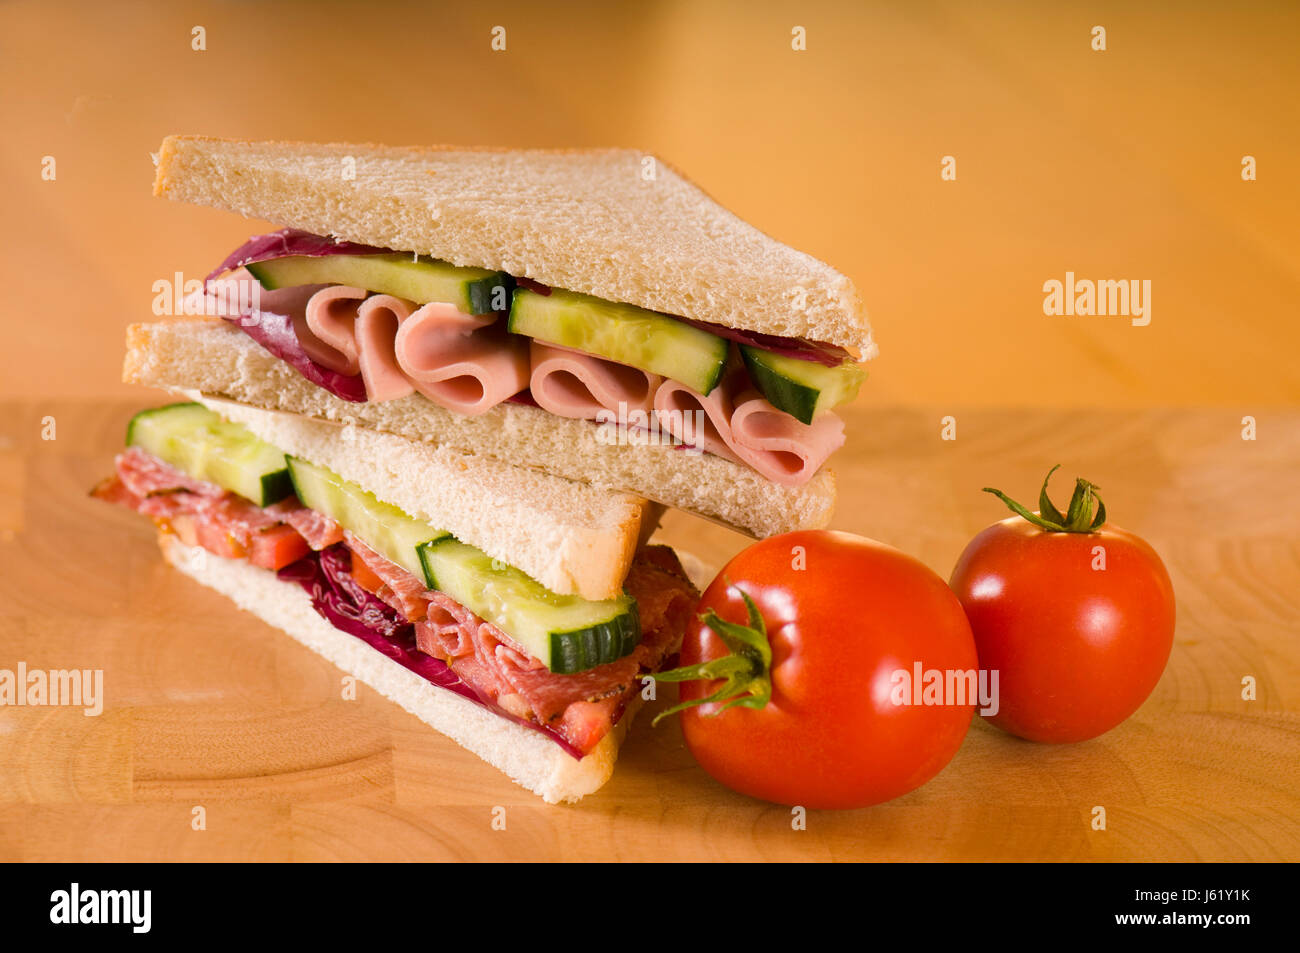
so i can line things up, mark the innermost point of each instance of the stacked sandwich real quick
(430, 423)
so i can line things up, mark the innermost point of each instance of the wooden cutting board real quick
(207, 708)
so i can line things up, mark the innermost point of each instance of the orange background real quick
(1117, 164)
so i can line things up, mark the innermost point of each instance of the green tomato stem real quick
(1078, 517)
(746, 673)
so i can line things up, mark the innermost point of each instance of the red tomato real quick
(365, 577)
(276, 547)
(843, 614)
(1077, 647)
(216, 539)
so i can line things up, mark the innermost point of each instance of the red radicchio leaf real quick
(828, 355)
(272, 325)
(327, 577)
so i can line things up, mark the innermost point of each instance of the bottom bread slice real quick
(528, 757)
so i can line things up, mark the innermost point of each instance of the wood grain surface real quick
(207, 707)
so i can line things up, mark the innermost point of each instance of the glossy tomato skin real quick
(839, 628)
(1077, 648)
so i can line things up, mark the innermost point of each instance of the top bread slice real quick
(615, 223)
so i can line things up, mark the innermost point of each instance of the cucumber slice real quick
(472, 290)
(624, 333)
(381, 526)
(194, 439)
(569, 634)
(802, 389)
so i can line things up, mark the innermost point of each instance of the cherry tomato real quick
(1076, 616)
(820, 720)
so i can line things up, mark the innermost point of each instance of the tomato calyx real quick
(1078, 517)
(746, 672)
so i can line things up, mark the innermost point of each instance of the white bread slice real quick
(570, 537)
(589, 221)
(526, 756)
(213, 358)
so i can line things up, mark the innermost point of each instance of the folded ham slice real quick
(378, 319)
(329, 337)
(470, 363)
(750, 430)
(575, 384)
(351, 331)
(464, 362)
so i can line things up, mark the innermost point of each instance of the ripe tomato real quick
(1077, 622)
(842, 615)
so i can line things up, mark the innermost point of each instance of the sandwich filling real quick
(369, 324)
(559, 692)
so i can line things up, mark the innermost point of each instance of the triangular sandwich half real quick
(593, 315)
(512, 610)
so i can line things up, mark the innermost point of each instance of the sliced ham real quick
(790, 451)
(470, 363)
(378, 319)
(466, 363)
(696, 420)
(326, 328)
(575, 384)
(750, 430)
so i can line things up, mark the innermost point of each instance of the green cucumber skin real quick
(422, 551)
(783, 393)
(716, 379)
(802, 389)
(544, 318)
(276, 486)
(583, 649)
(480, 294)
